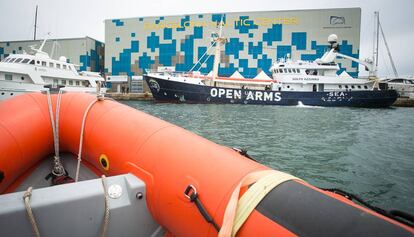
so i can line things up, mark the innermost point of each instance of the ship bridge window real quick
(64, 66)
(307, 71)
(409, 82)
(77, 83)
(12, 61)
(397, 81)
(280, 70)
(63, 82)
(70, 82)
(290, 70)
(285, 70)
(26, 60)
(43, 63)
(8, 77)
(32, 62)
(51, 64)
(18, 60)
(58, 65)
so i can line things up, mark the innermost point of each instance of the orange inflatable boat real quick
(194, 187)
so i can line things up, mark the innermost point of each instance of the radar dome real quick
(62, 59)
(332, 38)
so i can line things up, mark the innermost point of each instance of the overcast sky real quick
(79, 18)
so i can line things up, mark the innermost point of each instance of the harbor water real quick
(367, 152)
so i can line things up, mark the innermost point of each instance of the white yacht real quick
(21, 73)
(403, 85)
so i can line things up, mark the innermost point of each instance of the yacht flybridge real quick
(21, 73)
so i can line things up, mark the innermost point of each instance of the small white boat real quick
(404, 86)
(22, 73)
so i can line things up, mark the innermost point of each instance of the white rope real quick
(58, 169)
(81, 138)
(106, 217)
(26, 198)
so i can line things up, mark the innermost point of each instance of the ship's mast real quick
(374, 72)
(35, 25)
(218, 41)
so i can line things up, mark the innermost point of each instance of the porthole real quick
(340, 86)
(359, 87)
(353, 87)
(11, 93)
(346, 86)
(22, 78)
(366, 87)
(2, 93)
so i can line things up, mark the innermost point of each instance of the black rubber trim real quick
(307, 212)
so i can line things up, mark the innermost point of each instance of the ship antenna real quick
(35, 25)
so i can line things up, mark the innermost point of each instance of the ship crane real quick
(333, 53)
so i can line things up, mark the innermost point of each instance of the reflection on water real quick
(369, 152)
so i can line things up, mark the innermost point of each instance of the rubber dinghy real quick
(188, 186)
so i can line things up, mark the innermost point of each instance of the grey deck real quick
(37, 178)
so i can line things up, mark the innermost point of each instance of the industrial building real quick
(86, 52)
(254, 40)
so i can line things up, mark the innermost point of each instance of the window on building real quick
(8, 77)
(19, 60)
(26, 60)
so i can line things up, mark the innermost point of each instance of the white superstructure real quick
(21, 73)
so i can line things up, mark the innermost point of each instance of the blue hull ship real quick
(184, 92)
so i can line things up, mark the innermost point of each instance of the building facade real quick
(86, 52)
(254, 40)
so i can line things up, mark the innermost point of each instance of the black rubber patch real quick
(307, 212)
(1, 176)
(104, 163)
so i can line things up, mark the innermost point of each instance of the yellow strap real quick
(252, 197)
(236, 213)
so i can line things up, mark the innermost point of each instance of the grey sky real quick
(78, 18)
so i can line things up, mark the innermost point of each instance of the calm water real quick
(368, 152)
